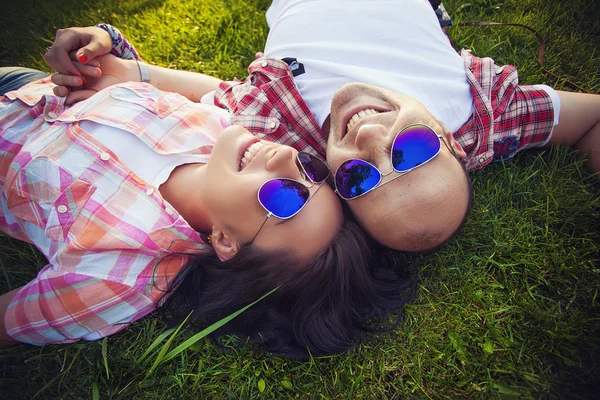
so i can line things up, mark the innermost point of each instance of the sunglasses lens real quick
(356, 177)
(414, 146)
(316, 169)
(283, 197)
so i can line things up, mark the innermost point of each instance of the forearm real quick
(579, 125)
(192, 85)
(5, 339)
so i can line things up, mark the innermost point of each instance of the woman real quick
(115, 191)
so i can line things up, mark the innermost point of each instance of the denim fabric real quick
(12, 78)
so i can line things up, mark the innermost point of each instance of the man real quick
(408, 73)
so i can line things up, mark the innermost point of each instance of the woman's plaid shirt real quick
(103, 229)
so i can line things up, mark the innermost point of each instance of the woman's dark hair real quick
(324, 306)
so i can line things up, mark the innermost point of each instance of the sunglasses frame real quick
(400, 173)
(305, 176)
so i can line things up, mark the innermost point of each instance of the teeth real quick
(249, 154)
(359, 115)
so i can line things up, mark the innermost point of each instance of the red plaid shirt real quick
(269, 105)
(506, 117)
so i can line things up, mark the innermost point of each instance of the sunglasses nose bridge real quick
(312, 168)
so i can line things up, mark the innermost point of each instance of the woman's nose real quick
(283, 163)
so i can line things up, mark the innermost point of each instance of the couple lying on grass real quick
(167, 181)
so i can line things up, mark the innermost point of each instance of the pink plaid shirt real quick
(507, 117)
(102, 228)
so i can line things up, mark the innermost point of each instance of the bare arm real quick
(579, 125)
(192, 85)
(5, 339)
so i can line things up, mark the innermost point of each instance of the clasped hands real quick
(83, 65)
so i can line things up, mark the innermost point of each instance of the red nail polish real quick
(84, 80)
(82, 58)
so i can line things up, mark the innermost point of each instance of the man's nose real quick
(372, 142)
(370, 136)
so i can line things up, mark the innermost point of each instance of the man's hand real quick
(80, 44)
(114, 70)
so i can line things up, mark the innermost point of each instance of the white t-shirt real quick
(396, 44)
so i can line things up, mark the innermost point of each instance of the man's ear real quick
(225, 247)
(459, 152)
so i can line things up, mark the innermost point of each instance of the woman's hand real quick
(80, 44)
(113, 70)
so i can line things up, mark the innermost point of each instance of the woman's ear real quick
(225, 247)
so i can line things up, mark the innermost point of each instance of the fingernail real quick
(84, 80)
(96, 72)
(82, 58)
(75, 81)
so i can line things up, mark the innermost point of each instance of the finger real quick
(90, 52)
(88, 70)
(67, 80)
(79, 95)
(58, 59)
(258, 55)
(60, 91)
(91, 64)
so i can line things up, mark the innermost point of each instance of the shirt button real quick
(264, 64)
(484, 112)
(149, 191)
(273, 124)
(62, 209)
(105, 156)
(52, 114)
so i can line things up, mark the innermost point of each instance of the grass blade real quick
(165, 348)
(203, 333)
(156, 342)
(95, 392)
(105, 356)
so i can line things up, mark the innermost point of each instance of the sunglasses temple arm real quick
(263, 224)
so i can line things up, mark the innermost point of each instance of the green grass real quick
(509, 309)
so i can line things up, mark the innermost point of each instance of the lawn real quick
(508, 309)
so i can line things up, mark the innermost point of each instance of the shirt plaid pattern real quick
(507, 117)
(269, 105)
(104, 231)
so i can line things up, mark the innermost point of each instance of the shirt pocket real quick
(160, 103)
(48, 196)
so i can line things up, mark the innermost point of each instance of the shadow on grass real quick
(32, 25)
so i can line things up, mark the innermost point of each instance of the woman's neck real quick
(182, 191)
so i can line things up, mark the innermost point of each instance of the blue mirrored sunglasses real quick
(283, 197)
(412, 147)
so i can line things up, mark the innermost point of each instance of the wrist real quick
(144, 71)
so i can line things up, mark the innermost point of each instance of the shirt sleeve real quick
(120, 45)
(527, 121)
(61, 306)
